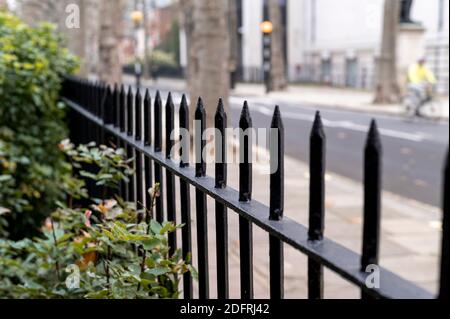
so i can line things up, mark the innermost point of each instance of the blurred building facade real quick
(337, 42)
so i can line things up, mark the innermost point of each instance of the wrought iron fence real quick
(103, 114)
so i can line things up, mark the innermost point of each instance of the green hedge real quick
(32, 62)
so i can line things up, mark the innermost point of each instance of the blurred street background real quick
(353, 60)
(335, 56)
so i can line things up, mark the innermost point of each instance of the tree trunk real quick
(207, 34)
(233, 25)
(96, 42)
(387, 90)
(110, 68)
(278, 68)
(187, 8)
(35, 11)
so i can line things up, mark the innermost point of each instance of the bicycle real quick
(421, 102)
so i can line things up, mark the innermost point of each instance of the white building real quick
(337, 41)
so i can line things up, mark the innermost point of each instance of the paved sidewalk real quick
(308, 95)
(338, 98)
(410, 238)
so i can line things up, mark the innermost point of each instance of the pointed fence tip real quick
(200, 112)
(317, 121)
(200, 104)
(373, 137)
(169, 100)
(245, 119)
(184, 103)
(245, 110)
(158, 100)
(220, 107)
(277, 112)
(277, 121)
(373, 131)
(317, 130)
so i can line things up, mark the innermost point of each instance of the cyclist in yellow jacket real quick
(421, 82)
(419, 73)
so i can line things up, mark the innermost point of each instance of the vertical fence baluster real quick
(221, 210)
(130, 119)
(138, 116)
(276, 249)
(97, 98)
(108, 106)
(138, 155)
(122, 108)
(444, 291)
(185, 197)
(372, 200)
(102, 112)
(115, 104)
(123, 127)
(130, 149)
(96, 111)
(108, 120)
(147, 161)
(147, 118)
(170, 178)
(90, 128)
(202, 220)
(317, 166)
(245, 195)
(117, 125)
(139, 185)
(158, 148)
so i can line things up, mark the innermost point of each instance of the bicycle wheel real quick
(435, 110)
(409, 108)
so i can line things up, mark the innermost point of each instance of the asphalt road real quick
(413, 153)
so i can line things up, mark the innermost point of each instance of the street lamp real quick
(137, 17)
(267, 29)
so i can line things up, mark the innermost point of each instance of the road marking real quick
(414, 137)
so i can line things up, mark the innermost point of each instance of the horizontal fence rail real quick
(104, 115)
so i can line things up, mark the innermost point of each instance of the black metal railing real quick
(106, 115)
